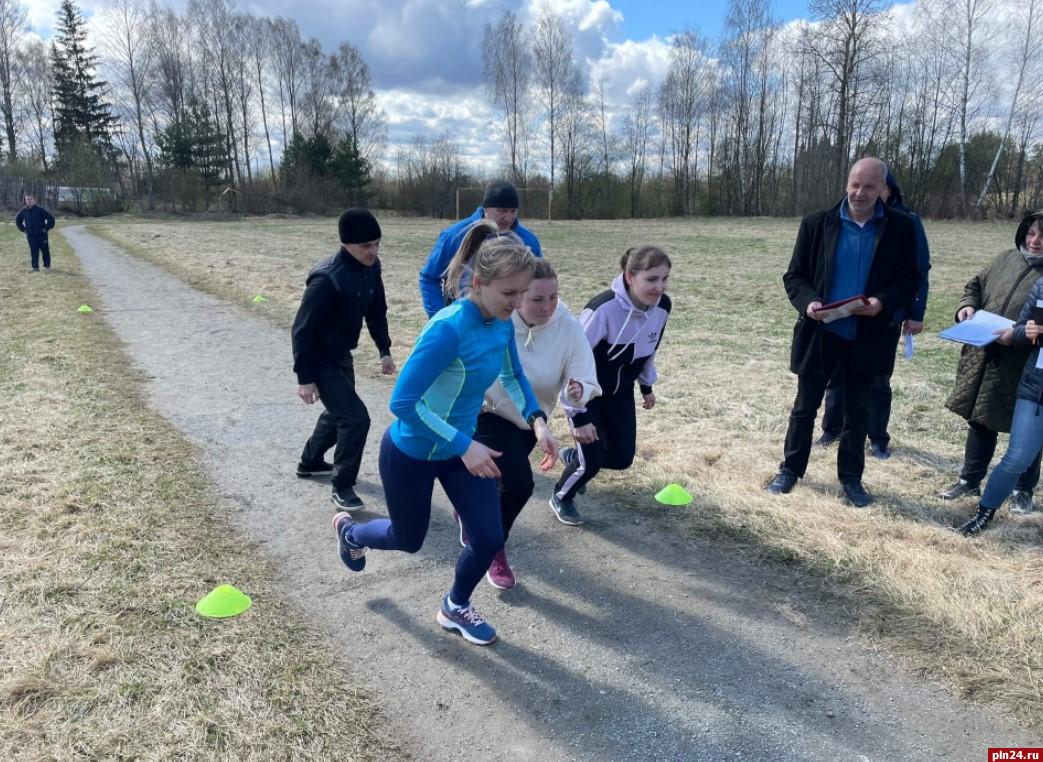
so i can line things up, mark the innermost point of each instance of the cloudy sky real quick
(425, 55)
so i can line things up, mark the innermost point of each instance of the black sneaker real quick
(880, 452)
(565, 511)
(345, 498)
(1021, 502)
(857, 494)
(962, 488)
(978, 523)
(825, 440)
(305, 471)
(783, 483)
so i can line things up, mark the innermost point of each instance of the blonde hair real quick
(489, 254)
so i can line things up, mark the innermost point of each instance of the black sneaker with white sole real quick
(565, 511)
(345, 498)
(307, 470)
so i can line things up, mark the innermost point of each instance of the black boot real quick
(978, 523)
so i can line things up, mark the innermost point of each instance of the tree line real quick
(215, 106)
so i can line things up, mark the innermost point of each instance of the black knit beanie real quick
(358, 225)
(500, 194)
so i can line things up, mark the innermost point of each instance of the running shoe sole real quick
(449, 624)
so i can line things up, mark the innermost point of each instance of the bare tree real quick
(222, 67)
(258, 40)
(750, 85)
(507, 64)
(556, 75)
(13, 26)
(173, 62)
(361, 117)
(128, 46)
(318, 106)
(845, 43)
(970, 32)
(288, 54)
(1025, 24)
(634, 138)
(34, 66)
(682, 104)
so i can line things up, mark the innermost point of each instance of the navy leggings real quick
(408, 485)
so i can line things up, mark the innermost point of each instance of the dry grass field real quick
(103, 659)
(108, 534)
(969, 611)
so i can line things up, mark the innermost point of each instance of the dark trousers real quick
(515, 484)
(408, 484)
(879, 407)
(978, 452)
(615, 418)
(851, 456)
(38, 245)
(344, 423)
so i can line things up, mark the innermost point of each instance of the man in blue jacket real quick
(35, 221)
(911, 320)
(500, 205)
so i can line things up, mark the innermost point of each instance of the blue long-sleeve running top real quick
(440, 390)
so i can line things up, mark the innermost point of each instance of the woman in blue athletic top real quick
(458, 355)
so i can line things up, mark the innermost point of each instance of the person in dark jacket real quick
(500, 206)
(858, 248)
(986, 388)
(341, 291)
(624, 326)
(35, 221)
(911, 320)
(1026, 429)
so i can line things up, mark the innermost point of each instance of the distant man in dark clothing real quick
(863, 248)
(341, 291)
(35, 221)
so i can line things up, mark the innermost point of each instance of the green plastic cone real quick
(223, 601)
(673, 494)
(85, 308)
(259, 298)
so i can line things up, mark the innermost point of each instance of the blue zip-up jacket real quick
(918, 308)
(448, 242)
(440, 390)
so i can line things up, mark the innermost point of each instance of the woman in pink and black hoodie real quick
(624, 326)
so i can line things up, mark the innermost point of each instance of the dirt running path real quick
(619, 643)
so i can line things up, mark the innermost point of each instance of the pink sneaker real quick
(500, 575)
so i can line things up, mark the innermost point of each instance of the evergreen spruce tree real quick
(81, 117)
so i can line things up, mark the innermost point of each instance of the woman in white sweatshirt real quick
(559, 363)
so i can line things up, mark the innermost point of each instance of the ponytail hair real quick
(489, 254)
(643, 257)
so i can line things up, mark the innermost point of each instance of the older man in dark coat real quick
(858, 248)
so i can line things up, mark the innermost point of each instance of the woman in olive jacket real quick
(987, 378)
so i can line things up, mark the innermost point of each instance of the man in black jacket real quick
(341, 291)
(35, 221)
(858, 248)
